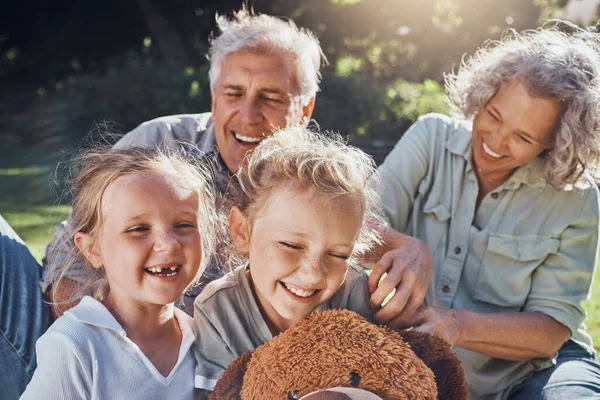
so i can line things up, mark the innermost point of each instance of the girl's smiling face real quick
(511, 130)
(149, 244)
(298, 246)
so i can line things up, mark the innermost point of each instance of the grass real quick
(29, 190)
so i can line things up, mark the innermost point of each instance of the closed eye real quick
(185, 225)
(138, 229)
(273, 99)
(340, 256)
(525, 139)
(291, 246)
(492, 115)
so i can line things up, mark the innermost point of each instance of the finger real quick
(386, 287)
(394, 307)
(403, 320)
(419, 317)
(378, 270)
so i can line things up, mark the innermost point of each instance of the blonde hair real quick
(300, 159)
(551, 64)
(96, 169)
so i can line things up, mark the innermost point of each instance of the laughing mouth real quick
(247, 139)
(164, 272)
(489, 151)
(298, 291)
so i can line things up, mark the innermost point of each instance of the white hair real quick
(264, 34)
(551, 64)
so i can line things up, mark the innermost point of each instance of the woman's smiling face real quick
(511, 130)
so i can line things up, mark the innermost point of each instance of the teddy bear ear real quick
(437, 354)
(229, 385)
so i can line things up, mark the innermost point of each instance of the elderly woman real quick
(506, 201)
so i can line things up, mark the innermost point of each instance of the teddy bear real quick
(337, 354)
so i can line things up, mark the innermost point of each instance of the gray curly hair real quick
(264, 34)
(551, 64)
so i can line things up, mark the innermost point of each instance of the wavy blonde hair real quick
(96, 169)
(551, 64)
(300, 159)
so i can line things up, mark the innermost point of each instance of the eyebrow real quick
(265, 90)
(522, 132)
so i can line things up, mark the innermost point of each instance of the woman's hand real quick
(438, 321)
(409, 266)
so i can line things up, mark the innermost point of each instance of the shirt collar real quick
(92, 312)
(531, 174)
(208, 145)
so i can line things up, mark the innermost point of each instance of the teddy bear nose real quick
(354, 378)
(292, 395)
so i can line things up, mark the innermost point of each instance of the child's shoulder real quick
(80, 327)
(356, 272)
(225, 287)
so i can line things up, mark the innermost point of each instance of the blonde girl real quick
(299, 226)
(141, 221)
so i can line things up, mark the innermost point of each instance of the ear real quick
(307, 111)
(239, 230)
(85, 243)
(213, 101)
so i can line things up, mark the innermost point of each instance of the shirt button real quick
(446, 289)
(494, 196)
(457, 250)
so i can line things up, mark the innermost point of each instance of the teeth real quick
(490, 152)
(247, 139)
(298, 291)
(159, 270)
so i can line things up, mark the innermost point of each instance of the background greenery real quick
(67, 67)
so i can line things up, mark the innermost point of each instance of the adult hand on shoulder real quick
(409, 266)
(437, 321)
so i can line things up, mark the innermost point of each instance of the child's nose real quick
(312, 270)
(166, 242)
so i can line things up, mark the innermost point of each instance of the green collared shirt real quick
(528, 247)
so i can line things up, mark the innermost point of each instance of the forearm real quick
(510, 336)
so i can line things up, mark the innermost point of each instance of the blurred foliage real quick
(137, 60)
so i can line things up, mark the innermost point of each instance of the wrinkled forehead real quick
(261, 71)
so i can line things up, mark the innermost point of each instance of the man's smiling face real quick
(254, 95)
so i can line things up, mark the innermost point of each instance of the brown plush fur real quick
(437, 354)
(340, 348)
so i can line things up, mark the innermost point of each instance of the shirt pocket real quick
(504, 277)
(434, 227)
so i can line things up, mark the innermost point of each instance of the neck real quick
(147, 321)
(152, 327)
(489, 181)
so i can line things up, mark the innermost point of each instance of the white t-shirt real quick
(86, 354)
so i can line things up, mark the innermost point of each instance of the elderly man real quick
(264, 74)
